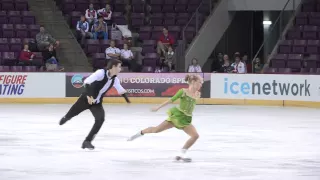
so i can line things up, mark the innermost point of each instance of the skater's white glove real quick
(90, 100)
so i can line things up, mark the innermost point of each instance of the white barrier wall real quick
(32, 85)
(239, 89)
(265, 87)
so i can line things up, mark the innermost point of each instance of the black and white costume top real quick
(99, 83)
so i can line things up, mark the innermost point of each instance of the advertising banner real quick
(32, 85)
(139, 84)
(265, 87)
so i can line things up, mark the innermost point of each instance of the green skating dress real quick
(181, 116)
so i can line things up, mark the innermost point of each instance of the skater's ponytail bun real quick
(187, 78)
(192, 77)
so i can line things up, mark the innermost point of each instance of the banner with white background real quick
(265, 87)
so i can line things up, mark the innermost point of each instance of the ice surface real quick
(263, 143)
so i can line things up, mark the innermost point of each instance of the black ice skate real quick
(87, 145)
(184, 159)
(63, 120)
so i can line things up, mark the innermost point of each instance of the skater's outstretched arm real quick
(171, 100)
(120, 89)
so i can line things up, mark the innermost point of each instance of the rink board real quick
(154, 88)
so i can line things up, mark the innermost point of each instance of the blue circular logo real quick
(77, 81)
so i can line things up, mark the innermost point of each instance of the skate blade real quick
(178, 158)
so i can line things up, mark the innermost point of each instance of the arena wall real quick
(219, 89)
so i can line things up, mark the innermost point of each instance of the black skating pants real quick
(96, 110)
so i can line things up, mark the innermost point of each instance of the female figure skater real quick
(180, 117)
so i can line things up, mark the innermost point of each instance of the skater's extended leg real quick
(192, 132)
(99, 115)
(161, 127)
(76, 109)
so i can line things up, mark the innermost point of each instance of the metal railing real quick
(193, 25)
(276, 32)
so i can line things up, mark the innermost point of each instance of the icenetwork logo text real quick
(267, 88)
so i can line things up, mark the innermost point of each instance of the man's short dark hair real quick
(113, 62)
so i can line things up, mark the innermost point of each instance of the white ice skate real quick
(183, 157)
(135, 136)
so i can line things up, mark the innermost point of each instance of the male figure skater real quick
(96, 85)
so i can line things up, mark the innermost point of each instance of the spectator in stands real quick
(238, 66)
(50, 58)
(244, 60)
(100, 29)
(226, 67)
(164, 42)
(257, 65)
(217, 63)
(194, 67)
(106, 13)
(26, 56)
(83, 29)
(126, 56)
(113, 52)
(170, 58)
(91, 15)
(44, 39)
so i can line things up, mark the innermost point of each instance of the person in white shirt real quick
(194, 67)
(112, 52)
(106, 13)
(91, 15)
(238, 66)
(83, 29)
(126, 56)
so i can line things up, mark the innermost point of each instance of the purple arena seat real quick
(16, 68)
(279, 61)
(8, 31)
(270, 70)
(313, 46)
(311, 61)
(301, 19)
(310, 32)
(156, 2)
(137, 19)
(7, 5)
(34, 30)
(285, 46)
(169, 2)
(28, 17)
(9, 58)
(285, 70)
(147, 69)
(156, 19)
(14, 17)
(4, 69)
(3, 17)
(151, 59)
(169, 19)
(294, 60)
(21, 31)
(299, 46)
(15, 44)
(93, 46)
(30, 69)
(21, 5)
(104, 44)
(4, 45)
(295, 33)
